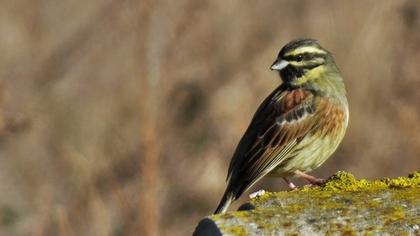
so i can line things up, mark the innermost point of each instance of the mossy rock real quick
(341, 206)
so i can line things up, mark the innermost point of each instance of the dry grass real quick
(120, 117)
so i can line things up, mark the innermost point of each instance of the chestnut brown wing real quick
(281, 122)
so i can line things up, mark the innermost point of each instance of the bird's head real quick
(302, 61)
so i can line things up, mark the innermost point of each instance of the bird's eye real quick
(299, 58)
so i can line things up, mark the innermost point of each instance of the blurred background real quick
(119, 117)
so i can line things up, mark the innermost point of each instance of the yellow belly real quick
(308, 155)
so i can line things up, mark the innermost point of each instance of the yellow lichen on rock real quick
(342, 204)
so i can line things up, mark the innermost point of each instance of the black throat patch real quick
(290, 73)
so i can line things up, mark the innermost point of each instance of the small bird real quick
(297, 127)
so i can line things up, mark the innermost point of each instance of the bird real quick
(297, 127)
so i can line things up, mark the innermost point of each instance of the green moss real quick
(343, 181)
(266, 196)
(348, 231)
(413, 180)
(294, 208)
(235, 230)
(342, 204)
(397, 213)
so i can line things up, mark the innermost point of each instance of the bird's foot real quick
(291, 185)
(311, 179)
(258, 193)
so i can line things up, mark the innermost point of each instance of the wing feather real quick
(281, 121)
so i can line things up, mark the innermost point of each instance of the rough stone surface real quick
(341, 206)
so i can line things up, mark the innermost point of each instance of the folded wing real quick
(279, 124)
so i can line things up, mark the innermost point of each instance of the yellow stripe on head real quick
(306, 49)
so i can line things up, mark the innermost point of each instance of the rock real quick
(341, 206)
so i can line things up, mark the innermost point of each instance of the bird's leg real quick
(311, 179)
(291, 185)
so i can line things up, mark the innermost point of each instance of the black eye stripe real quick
(305, 56)
(308, 56)
(289, 58)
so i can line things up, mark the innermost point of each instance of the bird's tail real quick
(227, 199)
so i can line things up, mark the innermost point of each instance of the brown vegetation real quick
(120, 117)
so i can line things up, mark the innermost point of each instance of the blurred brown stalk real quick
(120, 117)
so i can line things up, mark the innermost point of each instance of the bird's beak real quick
(279, 65)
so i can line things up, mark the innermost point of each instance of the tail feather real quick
(224, 204)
